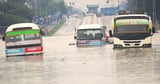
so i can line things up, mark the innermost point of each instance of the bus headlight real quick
(147, 40)
(117, 41)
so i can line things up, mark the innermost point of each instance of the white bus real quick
(90, 34)
(132, 30)
(23, 39)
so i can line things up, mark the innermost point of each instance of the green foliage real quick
(17, 1)
(14, 13)
(18, 9)
(8, 19)
(146, 5)
(63, 8)
(56, 28)
(49, 7)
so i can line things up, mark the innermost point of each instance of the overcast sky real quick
(81, 4)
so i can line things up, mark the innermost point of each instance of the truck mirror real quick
(3, 38)
(153, 30)
(42, 32)
(110, 33)
(75, 37)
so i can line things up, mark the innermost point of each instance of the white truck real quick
(90, 34)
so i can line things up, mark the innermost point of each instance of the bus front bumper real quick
(144, 43)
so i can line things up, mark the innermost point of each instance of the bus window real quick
(14, 38)
(31, 36)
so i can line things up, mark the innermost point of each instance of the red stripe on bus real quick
(33, 49)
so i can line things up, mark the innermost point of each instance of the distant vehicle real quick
(23, 39)
(109, 11)
(90, 34)
(93, 9)
(132, 30)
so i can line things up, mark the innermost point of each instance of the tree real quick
(8, 19)
(17, 1)
(14, 12)
(16, 9)
(149, 6)
(48, 7)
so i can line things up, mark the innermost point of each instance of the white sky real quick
(81, 4)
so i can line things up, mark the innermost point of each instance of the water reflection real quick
(25, 58)
(135, 66)
(22, 69)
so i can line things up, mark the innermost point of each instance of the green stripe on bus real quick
(22, 32)
(132, 22)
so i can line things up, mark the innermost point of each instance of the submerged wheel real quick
(117, 46)
(147, 46)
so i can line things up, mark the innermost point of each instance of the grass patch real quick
(58, 26)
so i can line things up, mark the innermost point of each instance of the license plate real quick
(82, 42)
(132, 44)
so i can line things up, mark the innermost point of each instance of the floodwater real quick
(63, 63)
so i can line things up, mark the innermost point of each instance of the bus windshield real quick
(89, 34)
(132, 29)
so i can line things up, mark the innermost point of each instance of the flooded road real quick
(66, 64)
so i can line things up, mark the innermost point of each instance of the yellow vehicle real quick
(132, 30)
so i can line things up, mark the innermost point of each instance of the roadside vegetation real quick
(151, 7)
(15, 11)
(57, 27)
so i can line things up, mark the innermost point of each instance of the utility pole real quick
(35, 7)
(154, 14)
(144, 7)
(131, 4)
(154, 11)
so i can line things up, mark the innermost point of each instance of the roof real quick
(90, 26)
(20, 25)
(131, 15)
